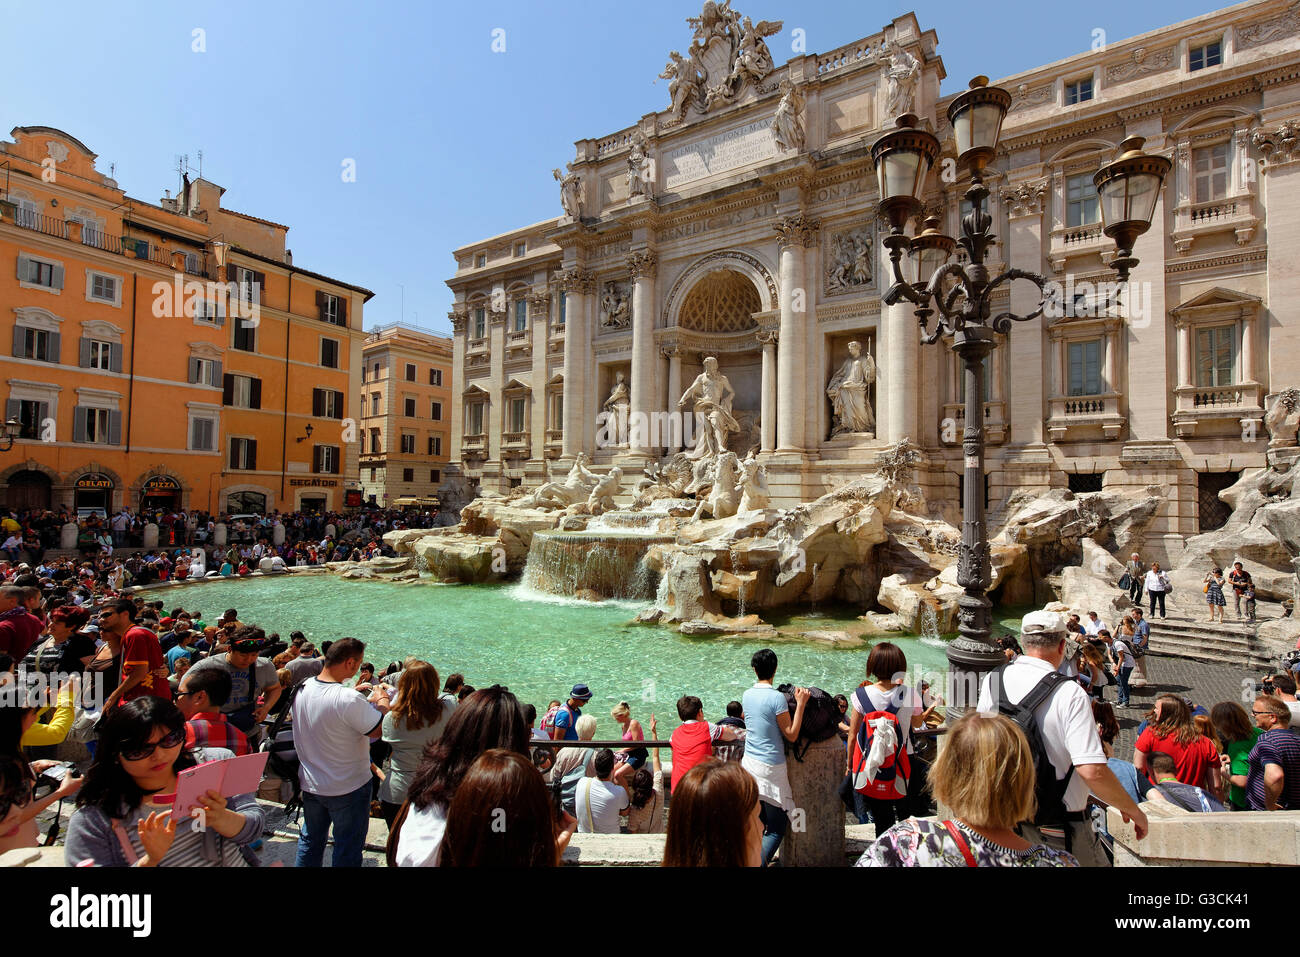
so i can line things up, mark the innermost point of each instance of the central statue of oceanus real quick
(712, 394)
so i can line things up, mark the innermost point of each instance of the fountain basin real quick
(608, 564)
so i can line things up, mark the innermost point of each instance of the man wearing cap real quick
(566, 719)
(250, 675)
(1063, 716)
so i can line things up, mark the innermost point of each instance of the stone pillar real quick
(539, 306)
(1148, 356)
(459, 321)
(219, 534)
(767, 407)
(68, 536)
(1279, 193)
(1024, 346)
(673, 443)
(796, 234)
(1248, 349)
(1184, 355)
(331, 531)
(150, 538)
(642, 264)
(816, 836)
(496, 412)
(578, 285)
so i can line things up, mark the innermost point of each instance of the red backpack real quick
(890, 781)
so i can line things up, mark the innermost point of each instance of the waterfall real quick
(812, 590)
(609, 563)
(930, 625)
(740, 581)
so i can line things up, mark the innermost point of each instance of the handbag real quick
(1125, 582)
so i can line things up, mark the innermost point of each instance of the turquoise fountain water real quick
(540, 645)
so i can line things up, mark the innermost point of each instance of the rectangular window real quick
(325, 460)
(1078, 91)
(250, 289)
(209, 312)
(408, 407)
(435, 476)
(203, 434)
(408, 475)
(100, 355)
(435, 377)
(1210, 173)
(1216, 356)
(474, 416)
(521, 248)
(435, 411)
(373, 472)
(1080, 201)
(36, 344)
(103, 288)
(375, 447)
(1210, 54)
(31, 415)
(516, 415)
(410, 372)
(329, 353)
(408, 443)
(332, 309)
(40, 273)
(376, 370)
(374, 403)
(242, 392)
(480, 324)
(521, 315)
(99, 426)
(564, 301)
(481, 261)
(1084, 360)
(327, 403)
(245, 336)
(435, 445)
(97, 422)
(243, 453)
(205, 371)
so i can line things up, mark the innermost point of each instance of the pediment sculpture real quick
(727, 51)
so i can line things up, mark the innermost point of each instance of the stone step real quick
(1217, 651)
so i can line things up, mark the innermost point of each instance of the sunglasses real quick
(21, 799)
(169, 740)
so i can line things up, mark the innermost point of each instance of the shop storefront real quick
(93, 492)
(161, 491)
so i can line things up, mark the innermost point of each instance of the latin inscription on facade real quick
(762, 213)
(751, 143)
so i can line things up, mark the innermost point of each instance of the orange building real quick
(405, 414)
(167, 353)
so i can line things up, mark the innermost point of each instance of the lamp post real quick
(11, 429)
(1128, 189)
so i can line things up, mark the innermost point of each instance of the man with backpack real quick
(1056, 716)
(565, 723)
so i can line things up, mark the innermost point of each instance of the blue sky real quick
(452, 142)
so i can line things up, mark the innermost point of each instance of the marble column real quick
(459, 320)
(1248, 348)
(496, 412)
(1184, 355)
(797, 233)
(767, 406)
(673, 443)
(1024, 347)
(642, 265)
(578, 284)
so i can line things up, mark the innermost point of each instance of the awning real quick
(404, 502)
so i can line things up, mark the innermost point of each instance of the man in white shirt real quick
(1093, 624)
(1069, 734)
(600, 803)
(333, 727)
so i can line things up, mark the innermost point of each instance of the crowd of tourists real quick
(466, 777)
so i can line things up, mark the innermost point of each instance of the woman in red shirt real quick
(1170, 729)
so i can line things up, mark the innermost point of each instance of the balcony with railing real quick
(1196, 220)
(1238, 403)
(1083, 417)
(516, 443)
(1083, 240)
(995, 423)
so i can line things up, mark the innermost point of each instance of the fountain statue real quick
(601, 498)
(848, 393)
(712, 394)
(753, 484)
(723, 499)
(574, 489)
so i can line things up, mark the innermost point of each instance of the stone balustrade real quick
(1180, 838)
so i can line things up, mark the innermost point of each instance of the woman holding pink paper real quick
(123, 815)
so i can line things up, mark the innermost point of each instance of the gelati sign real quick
(94, 480)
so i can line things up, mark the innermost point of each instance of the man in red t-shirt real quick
(1173, 733)
(144, 669)
(19, 628)
(693, 740)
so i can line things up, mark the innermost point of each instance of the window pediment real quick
(34, 317)
(102, 329)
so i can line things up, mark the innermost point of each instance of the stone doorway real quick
(29, 489)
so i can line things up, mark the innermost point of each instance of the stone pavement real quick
(1206, 684)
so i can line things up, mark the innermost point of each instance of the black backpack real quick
(282, 759)
(821, 718)
(1049, 791)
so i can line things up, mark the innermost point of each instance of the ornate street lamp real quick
(1128, 189)
(11, 430)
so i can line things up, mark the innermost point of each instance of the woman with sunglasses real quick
(18, 807)
(123, 817)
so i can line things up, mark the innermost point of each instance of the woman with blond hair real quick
(985, 776)
(629, 760)
(417, 719)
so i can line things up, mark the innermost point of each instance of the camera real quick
(53, 777)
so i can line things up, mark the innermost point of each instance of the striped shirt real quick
(1281, 747)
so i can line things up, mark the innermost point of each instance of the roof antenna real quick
(200, 164)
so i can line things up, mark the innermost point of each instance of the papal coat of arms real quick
(726, 52)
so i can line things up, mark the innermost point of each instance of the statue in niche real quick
(850, 261)
(787, 125)
(640, 168)
(712, 394)
(570, 192)
(1282, 420)
(615, 307)
(904, 70)
(848, 390)
(617, 406)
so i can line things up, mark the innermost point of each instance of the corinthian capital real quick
(1025, 199)
(798, 230)
(457, 321)
(643, 263)
(577, 280)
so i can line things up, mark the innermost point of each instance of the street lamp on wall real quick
(12, 429)
(303, 438)
(961, 295)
